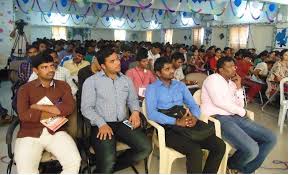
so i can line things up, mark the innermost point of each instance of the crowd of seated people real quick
(113, 77)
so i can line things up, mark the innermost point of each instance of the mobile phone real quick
(127, 123)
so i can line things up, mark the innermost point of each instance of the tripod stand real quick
(20, 37)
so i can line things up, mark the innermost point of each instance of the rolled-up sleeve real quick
(88, 99)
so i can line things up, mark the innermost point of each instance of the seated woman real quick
(277, 73)
(214, 59)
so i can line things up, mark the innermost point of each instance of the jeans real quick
(193, 151)
(252, 141)
(105, 150)
(3, 111)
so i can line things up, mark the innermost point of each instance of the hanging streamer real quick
(114, 3)
(143, 6)
(153, 13)
(104, 24)
(234, 13)
(128, 23)
(19, 6)
(167, 7)
(122, 13)
(256, 18)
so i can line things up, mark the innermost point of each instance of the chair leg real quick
(169, 165)
(261, 98)
(163, 164)
(223, 165)
(283, 115)
(134, 169)
(280, 115)
(146, 165)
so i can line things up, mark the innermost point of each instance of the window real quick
(119, 35)
(149, 36)
(59, 32)
(238, 37)
(198, 36)
(169, 35)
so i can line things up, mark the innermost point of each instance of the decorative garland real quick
(167, 7)
(256, 18)
(122, 13)
(143, 6)
(234, 13)
(114, 3)
(153, 12)
(18, 4)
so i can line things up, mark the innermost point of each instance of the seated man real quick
(61, 73)
(222, 97)
(167, 93)
(104, 101)
(33, 137)
(141, 76)
(76, 63)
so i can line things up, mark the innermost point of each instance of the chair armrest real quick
(9, 135)
(250, 115)
(217, 126)
(161, 133)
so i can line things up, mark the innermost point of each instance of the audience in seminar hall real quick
(214, 59)
(140, 75)
(244, 67)
(88, 71)
(165, 94)
(277, 73)
(105, 98)
(126, 58)
(98, 73)
(77, 62)
(154, 54)
(222, 97)
(66, 54)
(61, 73)
(33, 137)
(90, 51)
(25, 68)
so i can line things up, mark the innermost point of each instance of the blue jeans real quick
(252, 142)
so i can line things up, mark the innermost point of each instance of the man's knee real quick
(72, 164)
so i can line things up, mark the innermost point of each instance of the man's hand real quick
(46, 115)
(237, 80)
(135, 119)
(187, 120)
(104, 132)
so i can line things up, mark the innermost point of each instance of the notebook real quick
(53, 123)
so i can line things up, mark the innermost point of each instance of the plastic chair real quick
(169, 155)
(283, 105)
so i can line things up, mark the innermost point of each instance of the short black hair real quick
(104, 53)
(80, 50)
(126, 48)
(40, 59)
(30, 47)
(223, 60)
(218, 49)
(157, 45)
(50, 51)
(160, 63)
(142, 53)
(177, 55)
(226, 48)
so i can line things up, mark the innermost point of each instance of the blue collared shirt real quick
(106, 100)
(160, 96)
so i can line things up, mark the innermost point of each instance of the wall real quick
(98, 34)
(135, 35)
(260, 37)
(216, 31)
(180, 34)
(157, 36)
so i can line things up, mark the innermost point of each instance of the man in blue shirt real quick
(166, 93)
(105, 98)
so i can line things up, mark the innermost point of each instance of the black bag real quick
(199, 132)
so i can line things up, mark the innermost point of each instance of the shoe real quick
(232, 171)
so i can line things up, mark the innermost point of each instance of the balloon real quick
(132, 9)
(99, 5)
(184, 14)
(160, 12)
(77, 16)
(49, 14)
(194, 1)
(63, 3)
(25, 1)
(107, 18)
(272, 7)
(238, 2)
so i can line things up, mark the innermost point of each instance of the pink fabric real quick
(140, 78)
(221, 97)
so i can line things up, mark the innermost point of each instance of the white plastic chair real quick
(169, 155)
(229, 148)
(283, 105)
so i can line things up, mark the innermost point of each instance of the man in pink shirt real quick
(222, 97)
(141, 75)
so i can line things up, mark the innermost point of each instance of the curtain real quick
(238, 37)
(59, 32)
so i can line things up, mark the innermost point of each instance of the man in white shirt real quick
(261, 71)
(154, 53)
(61, 73)
(222, 97)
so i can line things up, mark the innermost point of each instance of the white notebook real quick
(44, 101)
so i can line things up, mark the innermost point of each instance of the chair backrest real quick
(282, 82)
(200, 77)
(197, 97)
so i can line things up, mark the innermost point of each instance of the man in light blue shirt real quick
(104, 101)
(166, 93)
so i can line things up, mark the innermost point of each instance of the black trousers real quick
(194, 154)
(105, 150)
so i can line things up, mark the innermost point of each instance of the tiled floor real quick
(267, 119)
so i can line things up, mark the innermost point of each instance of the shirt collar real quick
(38, 83)
(160, 83)
(102, 73)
